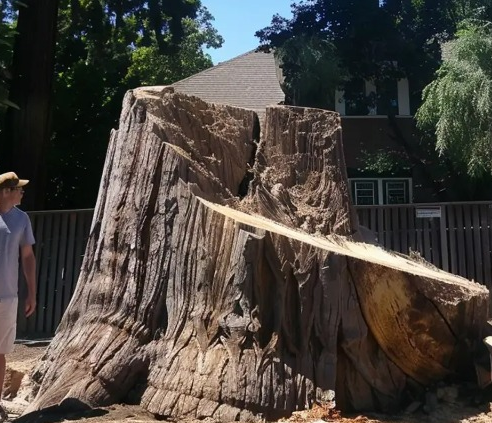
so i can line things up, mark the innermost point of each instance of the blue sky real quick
(238, 20)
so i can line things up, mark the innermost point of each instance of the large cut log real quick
(220, 278)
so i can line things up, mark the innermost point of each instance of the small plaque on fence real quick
(427, 212)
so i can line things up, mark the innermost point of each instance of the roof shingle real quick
(249, 81)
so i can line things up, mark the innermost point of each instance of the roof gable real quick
(249, 81)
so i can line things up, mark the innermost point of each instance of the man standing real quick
(16, 238)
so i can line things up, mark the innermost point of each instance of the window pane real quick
(396, 192)
(365, 193)
(387, 92)
(365, 201)
(355, 98)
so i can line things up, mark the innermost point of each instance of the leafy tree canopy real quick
(458, 103)
(311, 71)
(6, 43)
(377, 39)
(7, 33)
(106, 47)
(361, 32)
(381, 40)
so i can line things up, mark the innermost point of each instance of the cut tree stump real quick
(221, 278)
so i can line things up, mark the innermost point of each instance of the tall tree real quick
(458, 103)
(106, 48)
(27, 132)
(379, 39)
(7, 32)
(362, 33)
(422, 27)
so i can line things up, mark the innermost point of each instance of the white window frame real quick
(380, 185)
(375, 188)
(406, 195)
(403, 98)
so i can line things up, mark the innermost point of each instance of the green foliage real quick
(311, 71)
(362, 33)
(327, 43)
(106, 47)
(458, 103)
(391, 39)
(384, 162)
(150, 67)
(379, 40)
(6, 44)
(7, 33)
(422, 27)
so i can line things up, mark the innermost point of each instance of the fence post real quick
(444, 239)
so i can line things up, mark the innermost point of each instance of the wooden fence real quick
(456, 237)
(61, 237)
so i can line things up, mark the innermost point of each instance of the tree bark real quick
(197, 299)
(27, 133)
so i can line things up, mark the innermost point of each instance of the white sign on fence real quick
(427, 212)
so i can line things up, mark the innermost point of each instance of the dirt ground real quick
(450, 405)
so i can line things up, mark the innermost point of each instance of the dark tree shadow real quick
(68, 409)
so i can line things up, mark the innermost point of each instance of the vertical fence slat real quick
(387, 228)
(54, 258)
(451, 221)
(363, 217)
(60, 270)
(404, 230)
(477, 244)
(412, 236)
(373, 220)
(396, 229)
(485, 224)
(460, 241)
(380, 211)
(470, 268)
(44, 272)
(80, 246)
(444, 239)
(427, 239)
(489, 220)
(70, 272)
(435, 241)
(419, 234)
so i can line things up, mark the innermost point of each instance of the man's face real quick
(17, 194)
(12, 195)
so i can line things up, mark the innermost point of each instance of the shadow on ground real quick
(68, 409)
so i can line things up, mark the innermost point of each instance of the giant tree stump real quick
(220, 278)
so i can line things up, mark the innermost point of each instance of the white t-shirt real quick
(15, 231)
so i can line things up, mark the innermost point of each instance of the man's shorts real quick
(8, 324)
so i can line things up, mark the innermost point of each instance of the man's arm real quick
(29, 268)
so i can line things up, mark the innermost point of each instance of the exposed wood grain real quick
(220, 279)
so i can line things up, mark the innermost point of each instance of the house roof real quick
(250, 81)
